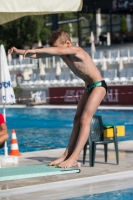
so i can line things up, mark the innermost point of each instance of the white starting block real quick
(8, 160)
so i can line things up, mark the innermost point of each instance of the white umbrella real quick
(9, 58)
(58, 69)
(41, 66)
(20, 58)
(6, 91)
(39, 43)
(42, 69)
(121, 66)
(14, 9)
(93, 48)
(108, 39)
(104, 64)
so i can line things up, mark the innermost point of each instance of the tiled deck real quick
(91, 179)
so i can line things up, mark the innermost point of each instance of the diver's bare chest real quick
(69, 60)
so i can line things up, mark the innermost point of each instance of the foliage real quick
(30, 29)
(24, 31)
(123, 25)
(17, 90)
(67, 16)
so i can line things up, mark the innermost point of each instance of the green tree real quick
(30, 29)
(123, 25)
(24, 31)
(67, 16)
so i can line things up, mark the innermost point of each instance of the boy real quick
(3, 131)
(82, 65)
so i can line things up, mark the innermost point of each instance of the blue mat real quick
(31, 171)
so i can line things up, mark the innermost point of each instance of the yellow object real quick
(109, 132)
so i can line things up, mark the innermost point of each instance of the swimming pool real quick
(41, 129)
(115, 195)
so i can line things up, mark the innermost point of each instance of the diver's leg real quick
(90, 108)
(75, 130)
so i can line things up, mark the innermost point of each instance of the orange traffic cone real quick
(14, 145)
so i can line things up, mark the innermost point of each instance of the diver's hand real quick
(13, 49)
(31, 51)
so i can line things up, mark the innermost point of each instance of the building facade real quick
(114, 17)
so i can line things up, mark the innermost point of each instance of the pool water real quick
(125, 194)
(43, 129)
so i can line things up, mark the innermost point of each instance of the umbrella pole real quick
(5, 146)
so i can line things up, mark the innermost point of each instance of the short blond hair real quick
(60, 35)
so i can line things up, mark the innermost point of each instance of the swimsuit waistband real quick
(96, 84)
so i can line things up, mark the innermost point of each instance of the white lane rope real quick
(74, 96)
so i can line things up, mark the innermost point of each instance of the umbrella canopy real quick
(20, 58)
(104, 64)
(42, 69)
(6, 90)
(14, 9)
(58, 69)
(93, 49)
(121, 66)
(9, 58)
(39, 43)
(41, 66)
(108, 39)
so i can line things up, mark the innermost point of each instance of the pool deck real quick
(103, 107)
(102, 177)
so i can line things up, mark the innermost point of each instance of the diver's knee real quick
(85, 121)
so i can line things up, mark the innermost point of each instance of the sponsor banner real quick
(116, 95)
(122, 4)
(65, 95)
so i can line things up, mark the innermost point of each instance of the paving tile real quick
(100, 168)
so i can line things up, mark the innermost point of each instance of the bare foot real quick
(70, 162)
(58, 161)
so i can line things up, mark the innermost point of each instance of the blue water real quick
(41, 129)
(126, 194)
